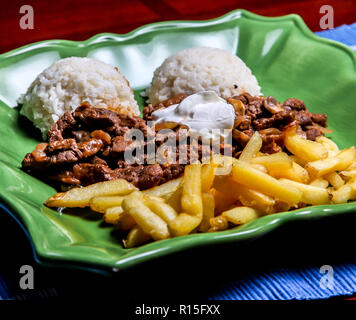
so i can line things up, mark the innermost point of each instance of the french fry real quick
(264, 183)
(310, 194)
(191, 192)
(299, 174)
(119, 218)
(207, 176)
(208, 211)
(297, 160)
(248, 197)
(345, 193)
(218, 223)
(223, 200)
(80, 197)
(335, 180)
(261, 154)
(161, 208)
(349, 172)
(273, 162)
(338, 163)
(174, 200)
(295, 173)
(149, 222)
(319, 182)
(183, 224)
(330, 145)
(170, 191)
(304, 149)
(136, 237)
(241, 215)
(352, 166)
(124, 221)
(252, 148)
(281, 206)
(259, 167)
(223, 164)
(280, 165)
(100, 204)
(165, 190)
(342, 195)
(111, 215)
(256, 200)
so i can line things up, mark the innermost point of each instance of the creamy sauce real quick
(203, 113)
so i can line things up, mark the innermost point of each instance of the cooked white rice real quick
(71, 81)
(202, 68)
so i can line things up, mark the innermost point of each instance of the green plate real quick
(288, 60)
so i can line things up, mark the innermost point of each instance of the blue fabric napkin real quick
(300, 283)
(345, 34)
(291, 284)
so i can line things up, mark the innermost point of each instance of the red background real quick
(79, 20)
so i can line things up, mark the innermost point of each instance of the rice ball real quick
(199, 69)
(68, 83)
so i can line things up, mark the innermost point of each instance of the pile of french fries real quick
(225, 191)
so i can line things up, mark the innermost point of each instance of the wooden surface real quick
(79, 20)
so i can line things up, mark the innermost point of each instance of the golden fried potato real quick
(247, 197)
(295, 173)
(207, 176)
(117, 216)
(297, 160)
(80, 197)
(339, 162)
(100, 204)
(124, 222)
(299, 174)
(218, 223)
(136, 237)
(319, 182)
(304, 149)
(208, 211)
(330, 145)
(164, 190)
(111, 215)
(241, 215)
(310, 194)
(184, 224)
(223, 200)
(223, 164)
(276, 161)
(252, 148)
(345, 193)
(335, 180)
(161, 208)
(281, 206)
(248, 176)
(349, 172)
(259, 167)
(174, 200)
(148, 221)
(191, 193)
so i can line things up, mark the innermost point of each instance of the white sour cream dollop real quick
(205, 114)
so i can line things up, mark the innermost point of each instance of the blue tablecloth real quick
(294, 280)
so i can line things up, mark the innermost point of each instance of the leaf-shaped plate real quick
(288, 60)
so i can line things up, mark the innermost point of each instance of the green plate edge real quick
(62, 257)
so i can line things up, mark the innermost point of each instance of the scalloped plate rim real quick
(174, 23)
